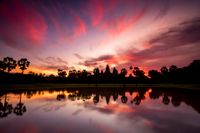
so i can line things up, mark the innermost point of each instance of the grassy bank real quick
(59, 86)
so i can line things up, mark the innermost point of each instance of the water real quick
(104, 110)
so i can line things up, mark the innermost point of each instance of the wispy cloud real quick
(180, 42)
(52, 63)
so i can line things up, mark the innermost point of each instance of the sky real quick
(84, 34)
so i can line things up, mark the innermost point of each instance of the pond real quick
(103, 110)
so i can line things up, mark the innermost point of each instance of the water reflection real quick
(144, 109)
(191, 98)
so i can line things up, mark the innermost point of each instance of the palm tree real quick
(10, 63)
(23, 64)
(20, 108)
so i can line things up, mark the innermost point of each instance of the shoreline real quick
(81, 85)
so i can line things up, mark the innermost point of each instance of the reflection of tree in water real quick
(72, 97)
(124, 99)
(139, 96)
(165, 95)
(61, 97)
(20, 108)
(6, 108)
(155, 94)
(137, 100)
(96, 99)
(165, 99)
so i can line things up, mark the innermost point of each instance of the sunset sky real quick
(84, 34)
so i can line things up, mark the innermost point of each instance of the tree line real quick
(8, 63)
(173, 74)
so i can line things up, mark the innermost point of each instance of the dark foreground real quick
(99, 109)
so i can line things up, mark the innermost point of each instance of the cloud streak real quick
(53, 63)
(21, 24)
(180, 43)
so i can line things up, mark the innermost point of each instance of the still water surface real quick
(106, 110)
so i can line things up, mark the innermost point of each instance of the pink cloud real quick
(80, 27)
(23, 23)
(95, 9)
(124, 22)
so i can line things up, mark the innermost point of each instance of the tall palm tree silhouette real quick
(20, 108)
(10, 63)
(6, 108)
(23, 64)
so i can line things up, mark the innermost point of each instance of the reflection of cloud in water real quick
(53, 107)
(50, 106)
(110, 109)
(101, 127)
(77, 112)
(160, 120)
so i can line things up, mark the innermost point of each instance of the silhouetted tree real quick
(173, 73)
(155, 75)
(115, 72)
(2, 66)
(85, 74)
(138, 73)
(123, 72)
(173, 68)
(164, 70)
(23, 64)
(96, 72)
(62, 73)
(10, 63)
